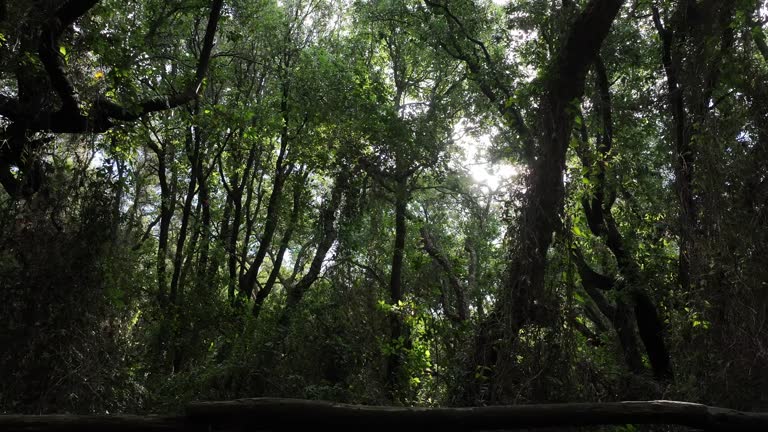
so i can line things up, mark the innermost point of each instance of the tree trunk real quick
(204, 279)
(167, 203)
(248, 280)
(235, 192)
(397, 331)
(689, 100)
(264, 292)
(30, 112)
(462, 308)
(619, 315)
(282, 171)
(234, 234)
(327, 236)
(600, 221)
(543, 200)
(193, 151)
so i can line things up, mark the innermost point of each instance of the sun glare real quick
(492, 175)
(483, 170)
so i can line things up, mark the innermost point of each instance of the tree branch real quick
(115, 111)
(69, 118)
(442, 261)
(485, 76)
(760, 43)
(49, 54)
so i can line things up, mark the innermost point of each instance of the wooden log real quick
(294, 414)
(289, 414)
(89, 423)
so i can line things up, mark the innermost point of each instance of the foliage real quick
(308, 222)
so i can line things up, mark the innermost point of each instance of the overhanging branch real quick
(484, 74)
(105, 107)
(48, 51)
(69, 118)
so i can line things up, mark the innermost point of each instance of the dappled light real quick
(377, 215)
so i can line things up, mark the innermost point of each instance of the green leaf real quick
(578, 297)
(577, 231)
(757, 33)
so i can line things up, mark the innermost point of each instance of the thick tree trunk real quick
(684, 157)
(600, 221)
(28, 114)
(693, 72)
(543, 201)
(620, 314)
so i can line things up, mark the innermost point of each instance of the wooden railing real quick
(297, 414)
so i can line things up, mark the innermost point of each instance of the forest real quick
(412, 203)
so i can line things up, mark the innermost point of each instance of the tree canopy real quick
(391, 202)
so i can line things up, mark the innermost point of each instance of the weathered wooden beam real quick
(296, 413)
(292, 414)
(90, 423)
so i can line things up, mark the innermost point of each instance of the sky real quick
(476, 162)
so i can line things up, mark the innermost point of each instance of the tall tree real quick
(543, 201)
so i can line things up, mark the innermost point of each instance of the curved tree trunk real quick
(27, 113)
(600, 221)
(543, 200)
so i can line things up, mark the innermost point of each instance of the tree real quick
(30, 109)
(563, 85)
(216, 200)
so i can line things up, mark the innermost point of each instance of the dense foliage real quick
(206, 199)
